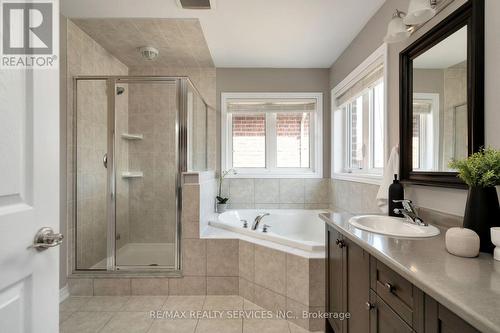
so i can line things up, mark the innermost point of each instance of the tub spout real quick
(257, 220)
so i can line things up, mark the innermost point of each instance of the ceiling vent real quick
(196, 4)
(148, 52)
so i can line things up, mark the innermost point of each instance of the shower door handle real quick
(105, 160)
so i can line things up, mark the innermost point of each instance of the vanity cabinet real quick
(348, 271)
(378, 299)
(439, 319)
(336, 282)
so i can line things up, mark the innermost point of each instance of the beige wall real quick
(371, 37)
(278, 80)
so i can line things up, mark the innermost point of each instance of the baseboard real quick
(63, 293)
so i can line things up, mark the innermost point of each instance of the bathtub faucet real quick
(257, 220)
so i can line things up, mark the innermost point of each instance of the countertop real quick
(469, 287)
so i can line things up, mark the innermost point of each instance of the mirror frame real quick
(472, 15)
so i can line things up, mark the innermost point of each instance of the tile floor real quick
(131, 314)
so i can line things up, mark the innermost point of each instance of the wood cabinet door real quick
(335, 278)
(383, 319)
(358, 287)
(438, 319)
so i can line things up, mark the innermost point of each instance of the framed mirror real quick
(442, 98)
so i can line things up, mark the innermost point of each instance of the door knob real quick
(45, 238)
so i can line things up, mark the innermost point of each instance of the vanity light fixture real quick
(402, 25)
(397, 31)
(420, 11)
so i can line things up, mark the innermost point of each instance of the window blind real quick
(299, 105)
(366, 79)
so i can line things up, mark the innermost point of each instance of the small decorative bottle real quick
(396, 192)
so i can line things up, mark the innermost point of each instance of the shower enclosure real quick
(133, 138)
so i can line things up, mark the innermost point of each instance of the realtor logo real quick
(27, 34)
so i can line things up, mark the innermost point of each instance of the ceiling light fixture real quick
(402, 25)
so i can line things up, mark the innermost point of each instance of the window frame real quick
(339, 150)
(270, 170)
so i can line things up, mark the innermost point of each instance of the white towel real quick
(391, 169)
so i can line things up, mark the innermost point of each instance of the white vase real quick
(221, 208)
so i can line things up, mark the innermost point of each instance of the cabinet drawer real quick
(404, 298)
(383, 319)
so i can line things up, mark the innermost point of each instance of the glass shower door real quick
(146, 166)
(90, 140)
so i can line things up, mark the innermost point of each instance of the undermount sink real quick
(392, 226)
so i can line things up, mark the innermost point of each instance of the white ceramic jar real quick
(495, 239)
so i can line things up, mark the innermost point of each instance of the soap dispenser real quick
(396, 192)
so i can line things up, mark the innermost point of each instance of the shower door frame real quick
(181, 153)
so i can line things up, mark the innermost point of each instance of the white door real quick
(29, 199)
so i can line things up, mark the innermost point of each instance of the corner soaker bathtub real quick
(297, 228)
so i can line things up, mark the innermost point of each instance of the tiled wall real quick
(203, 79)
(280, 281)
(152, 113)
(86, 57)
(272, 279)
(270, 193)
(353, 197)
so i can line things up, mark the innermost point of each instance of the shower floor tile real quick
(135, 314)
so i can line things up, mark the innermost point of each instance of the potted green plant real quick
(481, 171)
(221, 205)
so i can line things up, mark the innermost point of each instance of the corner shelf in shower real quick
(128, 136)
(132, 174)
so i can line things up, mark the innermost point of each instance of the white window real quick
(425, 132)
(272, 134)
(359, 122)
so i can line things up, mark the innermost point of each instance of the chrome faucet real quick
(257, 220)
(409, 212)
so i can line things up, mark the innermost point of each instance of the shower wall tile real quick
(153, 109)
(204, 79)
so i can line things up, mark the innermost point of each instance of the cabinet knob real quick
(390, 287)
(369, 306)
(341, 243)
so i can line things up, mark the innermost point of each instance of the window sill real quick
(275, 175)
(359, 178)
